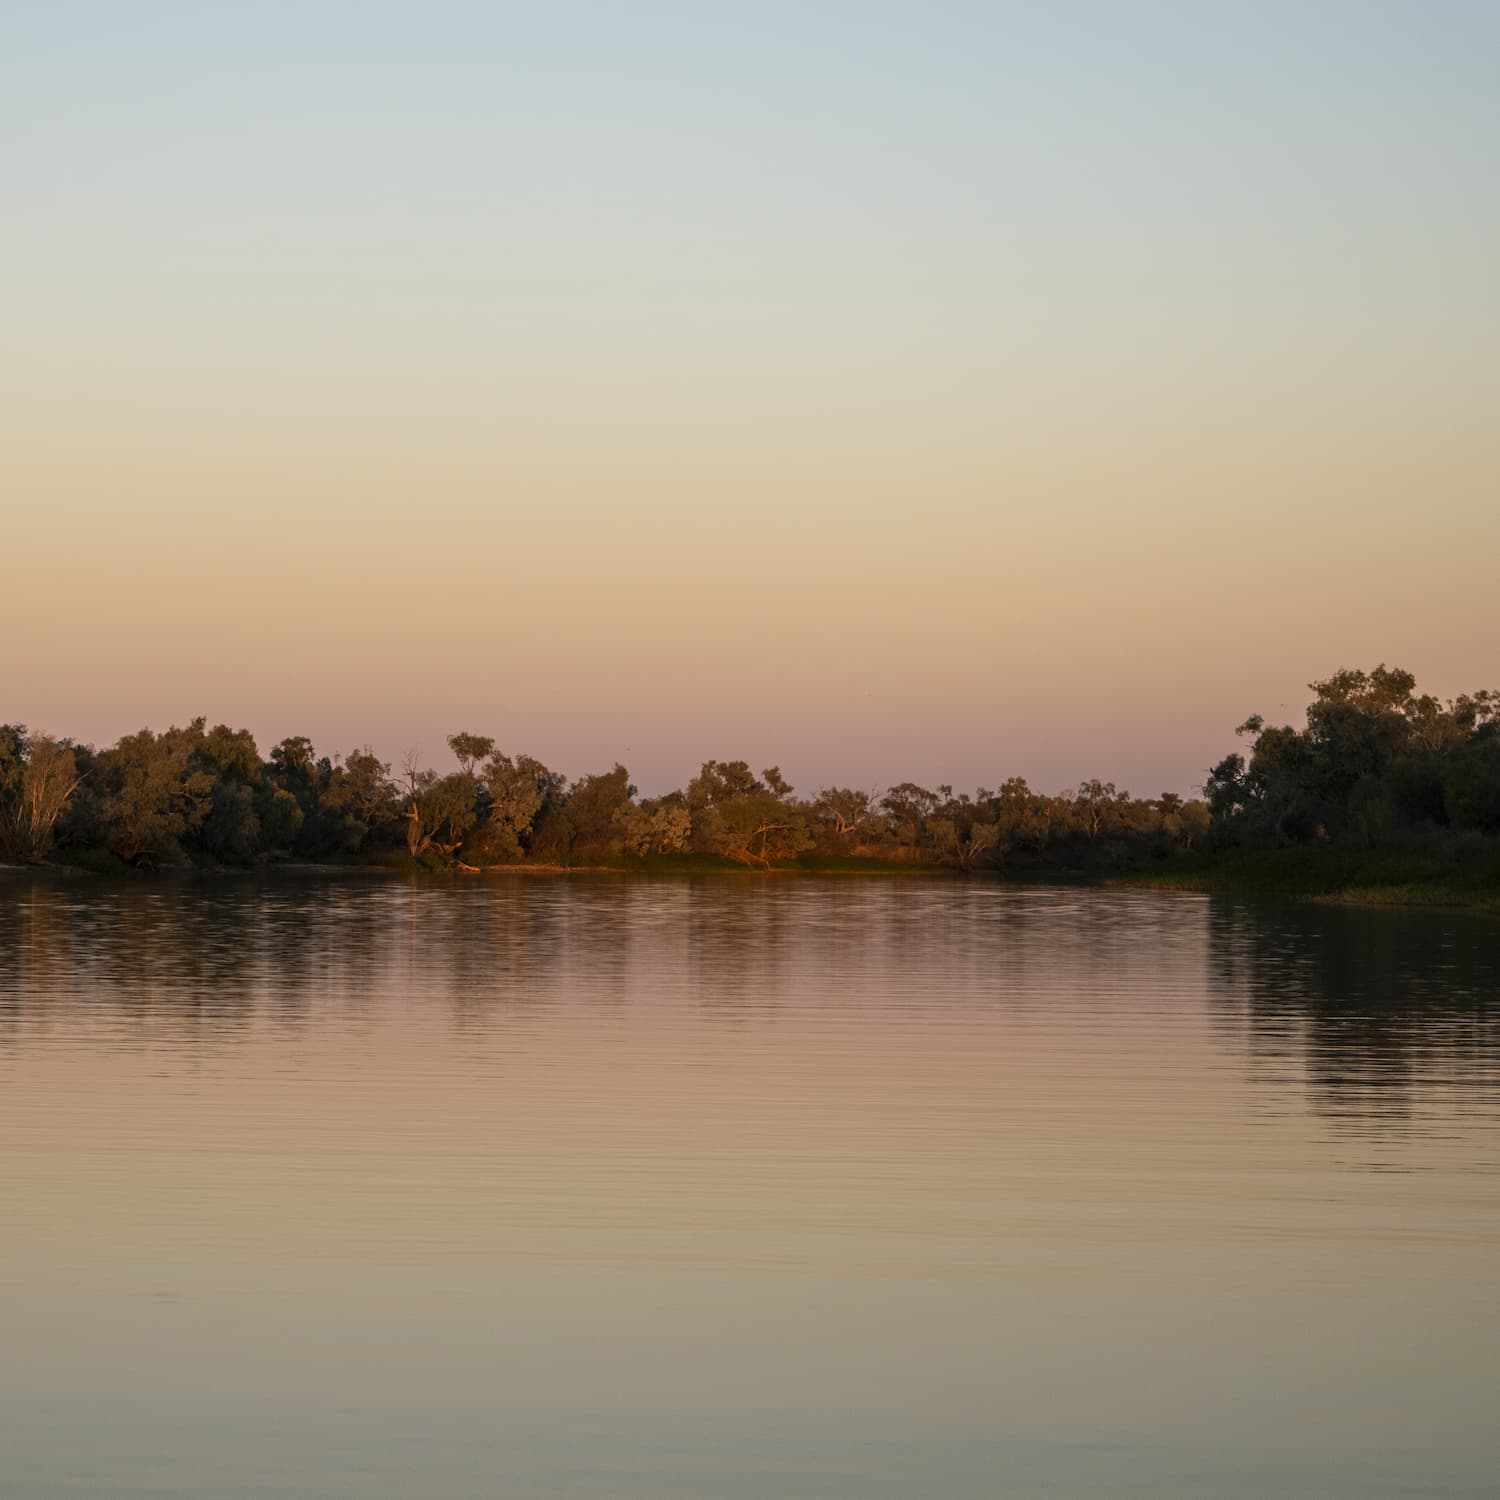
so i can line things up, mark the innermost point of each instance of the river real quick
(735, 1187)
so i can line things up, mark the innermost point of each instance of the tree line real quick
(200, 795)
(1374, 761)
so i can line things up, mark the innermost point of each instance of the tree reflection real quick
(1380, 1010)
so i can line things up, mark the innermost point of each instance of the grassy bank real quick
(1360, 876)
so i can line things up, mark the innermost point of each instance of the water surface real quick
(743, 1187)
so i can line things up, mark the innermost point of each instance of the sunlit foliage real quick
(1376, 763)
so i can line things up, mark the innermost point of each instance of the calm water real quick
(750, 1187)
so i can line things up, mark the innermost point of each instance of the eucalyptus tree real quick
(518, 790)
(752, 820)
(659, 826)
(38, 777)
(439, 810)
(154, 791)
(469, 749)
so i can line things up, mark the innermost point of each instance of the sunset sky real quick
(941, 390)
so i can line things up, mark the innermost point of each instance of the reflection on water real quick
(1391, 1019)
(736, 1187)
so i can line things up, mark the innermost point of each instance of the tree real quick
(1021, 818)
(658, 827)
(48, 777)
(1184, 822)
(592, 807)
(517, 790)
(1195, 822)
(281, 818)
(294, 756)
(12, 771)
(909, 806)
(1375, 756)
(369, 789)
(1471, 787)
(842, 813)
(469, 749)
(1098, 805)
(962, 843)
(741, 817)
(153, 791)
(233, 828)
(439, 810)
(722, 781)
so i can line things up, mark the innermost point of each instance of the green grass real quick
(1365, 876)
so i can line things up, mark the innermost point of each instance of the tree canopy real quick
(1375, 761)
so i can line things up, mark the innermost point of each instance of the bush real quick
(95, 860)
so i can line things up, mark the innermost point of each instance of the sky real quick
(937, 390)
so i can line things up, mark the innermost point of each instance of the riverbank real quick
(92, 863)
(1372, 877)
(1357, 877)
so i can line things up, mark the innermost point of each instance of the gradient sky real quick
(938, 390)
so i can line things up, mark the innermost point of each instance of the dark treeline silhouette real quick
(1376, 765)
(1374, 762)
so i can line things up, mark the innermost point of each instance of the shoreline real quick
(1374, 877)
(654, 870)
(1371, 878)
